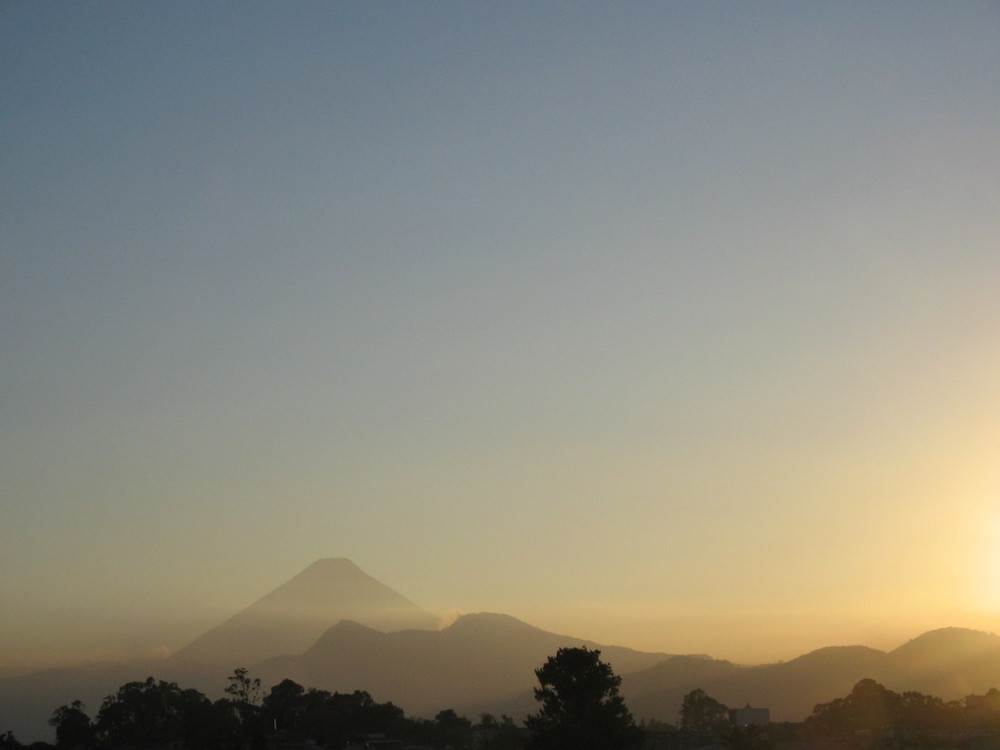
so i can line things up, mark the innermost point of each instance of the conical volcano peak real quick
(332, 565)
(290, 618)
(327, 582)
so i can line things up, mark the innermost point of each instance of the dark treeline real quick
(872, 707)
(870, 716)
(158, 714)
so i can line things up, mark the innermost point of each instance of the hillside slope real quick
(480, 657)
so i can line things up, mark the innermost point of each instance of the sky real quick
(667, 325)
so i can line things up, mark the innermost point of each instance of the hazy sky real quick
(670, 325)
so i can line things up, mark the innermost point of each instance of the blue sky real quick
(576, 311)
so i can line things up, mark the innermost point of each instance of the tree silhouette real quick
(581, 708)
(244, 690)
(452, 730)
(868, 707)
(920, 712)
(152, 713)
(493, 734)
(700, 712)
(72, 725)
(283, 706)
(243, 708)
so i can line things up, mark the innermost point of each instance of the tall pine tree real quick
(580, 705)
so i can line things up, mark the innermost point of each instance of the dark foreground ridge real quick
(578, 706)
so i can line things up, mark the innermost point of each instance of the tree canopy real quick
(580, 705)
(700, 712)
(155, 714)
(871, 706)
(72, 725)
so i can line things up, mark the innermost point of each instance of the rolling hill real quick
(949, 663)
(480, 657)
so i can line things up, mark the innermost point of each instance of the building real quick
(750, 717)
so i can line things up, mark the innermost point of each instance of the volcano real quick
(293, 616)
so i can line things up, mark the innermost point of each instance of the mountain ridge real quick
(452, 661)
(793, 688)
(484, 662)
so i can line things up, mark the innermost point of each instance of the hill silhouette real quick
(790, 689)
(479, 657)
(336, 628)
(949, 663)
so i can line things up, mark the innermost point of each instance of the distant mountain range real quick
(336, 628)
(479, 658)
(949, 663)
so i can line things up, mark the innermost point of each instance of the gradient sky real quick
(670, 325)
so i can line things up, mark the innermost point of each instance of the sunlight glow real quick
(984, 578)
